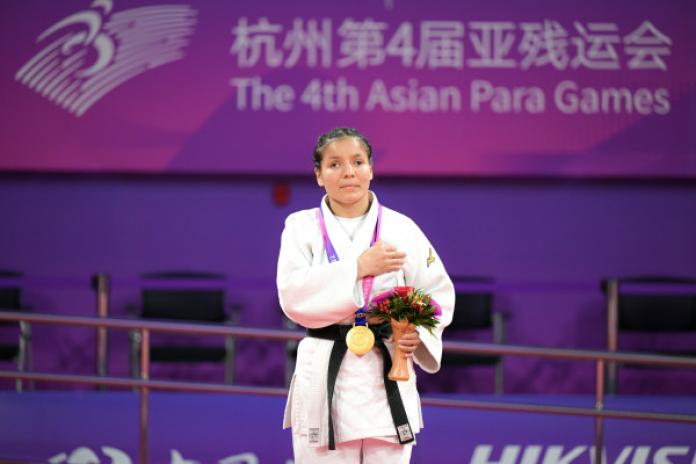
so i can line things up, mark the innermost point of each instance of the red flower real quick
(403, 292)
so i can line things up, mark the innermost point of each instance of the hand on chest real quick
(351, 249)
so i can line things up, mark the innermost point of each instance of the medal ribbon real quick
(331, 254)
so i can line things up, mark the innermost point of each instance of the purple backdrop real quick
(534, 231)
(496, 88)
(155, 89)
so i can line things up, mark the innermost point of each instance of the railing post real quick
(144, 393)
(612, 296)
(102, 287)
(599, 421)
(22, 353)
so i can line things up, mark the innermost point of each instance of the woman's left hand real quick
(409, 343)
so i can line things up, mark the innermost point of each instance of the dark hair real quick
(335, 134)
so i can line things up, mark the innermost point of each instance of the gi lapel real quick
(337, 235)
(363, 236)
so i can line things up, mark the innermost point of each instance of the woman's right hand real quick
(379, 259)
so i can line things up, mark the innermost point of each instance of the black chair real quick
(21, 351)
(648, 313)
(163, 299)
(473, 311)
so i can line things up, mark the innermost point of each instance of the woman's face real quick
(345, 172)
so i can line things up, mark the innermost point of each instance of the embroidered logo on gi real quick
(431, 257)
(404, 432)
(314, 435)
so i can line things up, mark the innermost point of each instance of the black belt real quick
(337, 333)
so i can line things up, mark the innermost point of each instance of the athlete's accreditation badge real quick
(360, 339)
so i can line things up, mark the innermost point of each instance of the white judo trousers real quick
(315, 293)
(365, 451)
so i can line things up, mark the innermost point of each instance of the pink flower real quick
(437, 309)
(382, 296)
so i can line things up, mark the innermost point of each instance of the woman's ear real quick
(317, 173)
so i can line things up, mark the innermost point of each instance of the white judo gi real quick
(315, 293)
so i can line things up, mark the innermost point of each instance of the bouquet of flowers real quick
(405, 308)
(408, 303)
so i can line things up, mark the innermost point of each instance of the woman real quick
(341, 406)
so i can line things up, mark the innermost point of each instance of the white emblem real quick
(178, 458)
(92, 52)
(84, 455)
(244, 458)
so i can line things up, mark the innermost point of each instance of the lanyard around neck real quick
(333, 256)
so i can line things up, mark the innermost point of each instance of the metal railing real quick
(614, 288)
(102, 283)
(145, 384)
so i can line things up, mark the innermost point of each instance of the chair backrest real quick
(472, 310)
(10, 296)
(657, 313)
(204, 305)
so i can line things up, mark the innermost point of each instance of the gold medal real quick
(360, 339)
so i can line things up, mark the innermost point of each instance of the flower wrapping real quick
(407, 303)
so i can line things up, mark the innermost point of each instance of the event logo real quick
(85, 455)
(92, 52)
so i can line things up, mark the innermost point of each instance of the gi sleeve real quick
(313, 295)
(424, 270)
